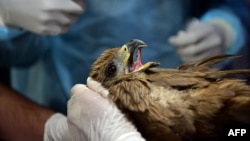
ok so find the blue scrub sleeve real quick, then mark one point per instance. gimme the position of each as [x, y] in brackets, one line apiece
[7, 33]
[20, 48]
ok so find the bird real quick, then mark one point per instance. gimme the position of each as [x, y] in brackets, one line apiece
[194, 101]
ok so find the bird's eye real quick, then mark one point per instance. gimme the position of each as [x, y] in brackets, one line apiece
[111, 70]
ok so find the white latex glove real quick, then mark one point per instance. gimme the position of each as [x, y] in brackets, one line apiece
[40, 16]
[56, 129]
[94, 118]
[201, 40]
[90, 118]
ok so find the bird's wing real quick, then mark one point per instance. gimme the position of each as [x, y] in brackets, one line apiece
[178, 79]
[193, 74]
[205, 64]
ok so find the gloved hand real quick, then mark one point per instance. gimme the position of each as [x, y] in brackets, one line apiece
[201, 40]
[40, 16]
[90, 118]
[95, 118]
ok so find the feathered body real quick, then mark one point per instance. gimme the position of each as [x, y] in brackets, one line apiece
[191, 102]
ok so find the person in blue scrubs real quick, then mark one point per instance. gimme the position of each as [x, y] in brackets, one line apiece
[46, 61]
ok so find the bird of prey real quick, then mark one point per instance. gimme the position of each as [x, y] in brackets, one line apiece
[192, 102]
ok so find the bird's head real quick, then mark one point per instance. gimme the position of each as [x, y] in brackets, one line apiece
[117, 62]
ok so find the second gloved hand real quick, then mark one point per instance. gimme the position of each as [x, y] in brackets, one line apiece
[40, 16]
[201, 40]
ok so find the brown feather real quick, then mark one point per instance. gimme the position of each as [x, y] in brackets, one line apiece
[193, 101]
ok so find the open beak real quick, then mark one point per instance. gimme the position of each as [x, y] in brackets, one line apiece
[135, 46]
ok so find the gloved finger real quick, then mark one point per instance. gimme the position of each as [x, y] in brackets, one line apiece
[201, 29]
[57, 17]
[72, 7]
[179, 39]
[56, 128]
[76, 133]
[97, 87]
[73, 17]
[192, 23]
[85, 100]
[50, 29]
[86, 105]
[87, 97]
[210, 43]
[45, 30]
[192, 35]
[184, 38]
[202, 46]
[64, 21]
[68, 6]
[81, 3]
[75, 119]
[78, 88]
[65, 28]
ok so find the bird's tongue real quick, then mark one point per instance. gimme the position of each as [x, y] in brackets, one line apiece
[137, 63]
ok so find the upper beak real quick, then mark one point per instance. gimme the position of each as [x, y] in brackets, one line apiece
[129, 49]
[135, 44]
[132, 46]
